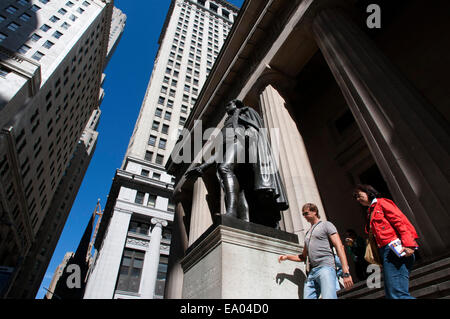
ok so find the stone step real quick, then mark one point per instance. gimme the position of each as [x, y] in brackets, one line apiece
[426, 281]
[441, 290]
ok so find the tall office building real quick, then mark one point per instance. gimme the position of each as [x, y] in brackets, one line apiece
[52, 57]
[134, 236]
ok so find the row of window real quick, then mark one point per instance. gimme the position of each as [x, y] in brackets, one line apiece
[13, 26]
[212, 7]
[78, 113]
[158, 160]
[129, 278]
[151, 201]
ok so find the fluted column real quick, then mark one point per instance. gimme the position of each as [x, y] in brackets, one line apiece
[408, 139]
[294, 164]
[101, 283]
[151, 260]
[178, 246]
[200, 213]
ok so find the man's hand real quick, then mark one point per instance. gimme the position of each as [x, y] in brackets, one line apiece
[282, 258]
[408, 251]
[194, 172]
[348, 282]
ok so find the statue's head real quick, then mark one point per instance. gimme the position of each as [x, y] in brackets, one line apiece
[232, 105]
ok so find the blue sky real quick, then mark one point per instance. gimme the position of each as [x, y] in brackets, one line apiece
[127, 76]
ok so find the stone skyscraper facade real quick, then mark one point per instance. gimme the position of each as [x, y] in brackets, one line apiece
[52, 57]
[135, 233]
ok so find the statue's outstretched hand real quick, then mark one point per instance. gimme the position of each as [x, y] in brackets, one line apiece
[194, 172]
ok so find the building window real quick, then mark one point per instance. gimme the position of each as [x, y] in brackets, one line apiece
[159, 160]
[162, 143]
[139, 198]
[23, 49]
[145, 173]
[62, 11]
[35, 37]
[167, 115]
[2, 37]
[161, 276]
[57, 34]
[130, 270]
[25, 17]
[171, 206]
[48, 44]
[139, 227]
[45, 27]
[65, 25]
[152, 140]
[73, 17]
[3, 72]
[155, 125]
[148, 155]
[37, 55]
[54, 19]
[13, 26]
[11, 9]
[151, 201]
[157, 176]
[165, 129]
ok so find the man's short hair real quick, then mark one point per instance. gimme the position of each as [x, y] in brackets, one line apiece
[312, 208]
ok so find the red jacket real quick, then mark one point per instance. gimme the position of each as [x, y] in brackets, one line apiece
[389, 223]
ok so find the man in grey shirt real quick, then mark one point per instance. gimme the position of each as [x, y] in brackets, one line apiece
[318, 240]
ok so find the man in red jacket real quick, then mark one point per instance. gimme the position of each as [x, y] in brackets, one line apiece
[388, 224]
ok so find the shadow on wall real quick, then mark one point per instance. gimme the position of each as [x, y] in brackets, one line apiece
[298, 278]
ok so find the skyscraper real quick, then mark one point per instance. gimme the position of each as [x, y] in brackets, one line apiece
[52, 55]
[134, 236]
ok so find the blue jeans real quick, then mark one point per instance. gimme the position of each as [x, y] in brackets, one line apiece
[396, 272]
[321, 280]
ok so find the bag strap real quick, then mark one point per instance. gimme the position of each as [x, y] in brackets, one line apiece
[309, 241]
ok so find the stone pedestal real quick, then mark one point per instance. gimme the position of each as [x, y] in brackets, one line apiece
[238, 260]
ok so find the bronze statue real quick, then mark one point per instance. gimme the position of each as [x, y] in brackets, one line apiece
[246, 168]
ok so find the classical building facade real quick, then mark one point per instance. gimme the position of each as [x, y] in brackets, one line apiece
[351, 103]
[52, 55]
[133, 241]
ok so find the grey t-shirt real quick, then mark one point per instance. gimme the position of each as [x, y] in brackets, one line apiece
[319, 250]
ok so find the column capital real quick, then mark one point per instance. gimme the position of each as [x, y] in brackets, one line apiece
[158, 221]
[282, 82]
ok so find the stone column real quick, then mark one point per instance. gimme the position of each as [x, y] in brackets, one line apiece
[200, 213]
[101, 283]
[294, 164]
[178, 246]
[408, 139]
[151, 260]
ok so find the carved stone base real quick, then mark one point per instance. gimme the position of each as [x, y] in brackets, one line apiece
[234, 259]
